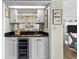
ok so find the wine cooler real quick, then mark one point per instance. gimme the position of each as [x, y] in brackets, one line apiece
[23, 48]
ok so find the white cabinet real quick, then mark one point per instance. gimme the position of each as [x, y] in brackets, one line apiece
[27, 15]
[38, 48]
[40, 16]
[13, 16]
[23, 15]
[11, 48]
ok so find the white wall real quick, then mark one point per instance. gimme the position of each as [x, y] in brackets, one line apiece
[56, 33]
[69, 11]
[6, 25]
[49, 19]
[49, 28]
[69, 7]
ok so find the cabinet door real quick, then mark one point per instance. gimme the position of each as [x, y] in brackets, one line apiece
[33, 48]
[13, 15]
[39, 48]
[10, 48]
[40, 16]
[43, 48]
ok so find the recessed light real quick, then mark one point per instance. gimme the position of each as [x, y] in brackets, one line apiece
[31, 7]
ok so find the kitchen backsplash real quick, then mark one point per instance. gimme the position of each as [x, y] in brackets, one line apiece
[28, 27]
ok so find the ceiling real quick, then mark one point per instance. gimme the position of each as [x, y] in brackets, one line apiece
[26, 2]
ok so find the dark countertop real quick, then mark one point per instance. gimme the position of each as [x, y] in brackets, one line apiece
[27, 34]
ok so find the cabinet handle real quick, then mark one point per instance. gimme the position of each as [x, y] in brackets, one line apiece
[38, 46]
[13, 47]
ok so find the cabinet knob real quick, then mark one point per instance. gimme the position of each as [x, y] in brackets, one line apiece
[13, 40]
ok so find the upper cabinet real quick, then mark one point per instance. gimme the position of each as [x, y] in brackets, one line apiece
[23, 15]
[40, 15]
[26, 15]
[13, 16]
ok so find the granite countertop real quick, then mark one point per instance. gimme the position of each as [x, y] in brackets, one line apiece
[27, 34]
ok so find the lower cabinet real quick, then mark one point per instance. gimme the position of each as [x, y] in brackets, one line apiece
[38, 48]
[11, 48]
[34, 47]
